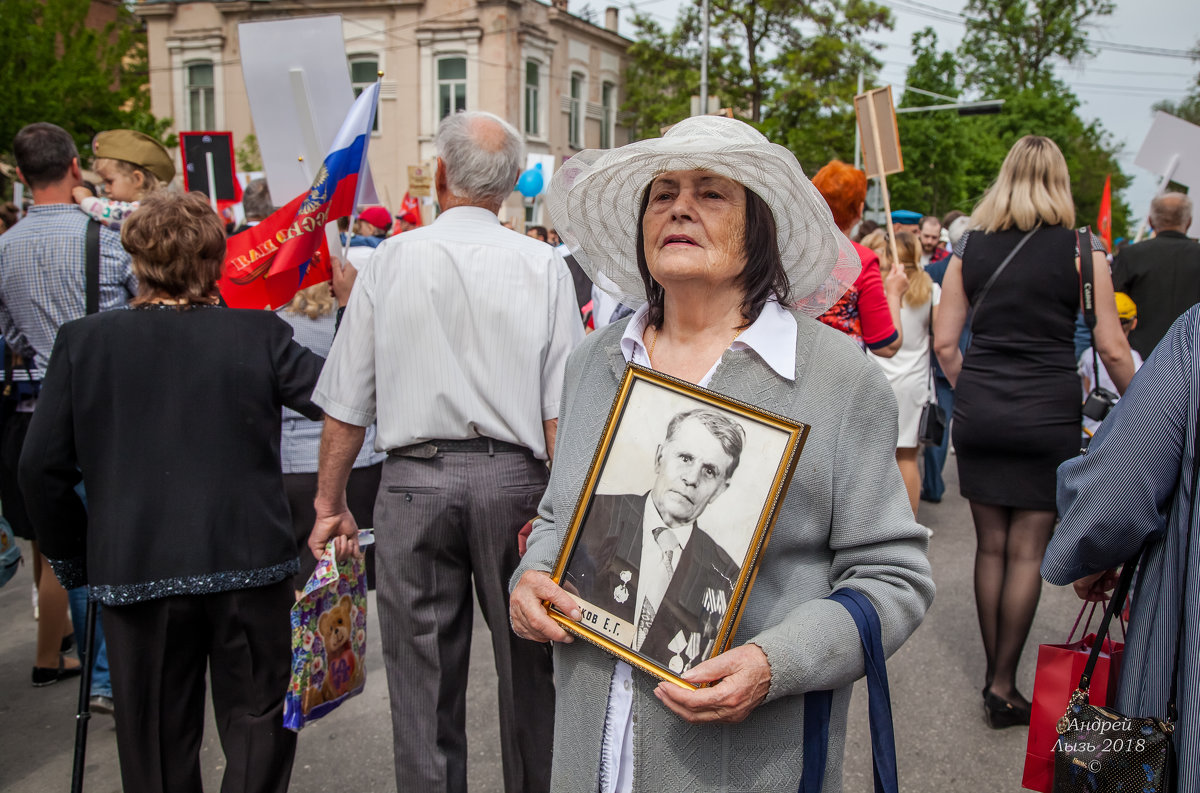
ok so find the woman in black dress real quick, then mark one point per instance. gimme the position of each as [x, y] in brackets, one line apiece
[1016, 408]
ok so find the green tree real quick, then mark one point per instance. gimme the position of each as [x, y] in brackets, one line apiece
[1187, 108]
[935, 144]
[249, 156]
[661, 76]
[54, 68]
[796, 50]
[1050, 109]
[1015, 43]
[812, 108]
[1009, 53]
[787, 66]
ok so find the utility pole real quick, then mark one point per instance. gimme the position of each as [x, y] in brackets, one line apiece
[704, 63]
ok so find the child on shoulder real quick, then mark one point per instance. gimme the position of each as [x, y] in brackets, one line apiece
[132, 165]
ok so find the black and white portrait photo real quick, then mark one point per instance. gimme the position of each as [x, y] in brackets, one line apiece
[681, 499]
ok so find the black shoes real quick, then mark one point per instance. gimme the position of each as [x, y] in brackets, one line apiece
[1000, 713]
[47, 675]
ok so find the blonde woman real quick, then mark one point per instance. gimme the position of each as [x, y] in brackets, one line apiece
[1016, 408]
[312, 315]
[908, 370]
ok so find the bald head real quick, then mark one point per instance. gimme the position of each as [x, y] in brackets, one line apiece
[1171, 212]
[479, 158]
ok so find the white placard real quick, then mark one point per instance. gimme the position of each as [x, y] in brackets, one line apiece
[298, 83]
[1173, 140]
[1167, 137]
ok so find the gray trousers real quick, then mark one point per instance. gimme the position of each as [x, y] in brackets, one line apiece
[439, 523]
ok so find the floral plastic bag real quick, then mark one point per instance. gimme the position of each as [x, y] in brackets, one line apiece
[329, 638]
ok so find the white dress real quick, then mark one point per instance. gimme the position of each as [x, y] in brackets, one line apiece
[908, 370]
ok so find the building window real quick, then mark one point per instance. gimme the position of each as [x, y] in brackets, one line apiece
[533, 88]
[575, 116]
[608, 95]
[201, 96]
[364, 70]
[452, 85]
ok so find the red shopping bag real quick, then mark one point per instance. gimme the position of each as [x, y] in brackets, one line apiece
[1059, 667]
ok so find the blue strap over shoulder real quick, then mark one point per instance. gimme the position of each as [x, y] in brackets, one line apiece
[818, 705]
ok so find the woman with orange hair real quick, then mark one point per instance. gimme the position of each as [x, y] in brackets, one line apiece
[870, 310]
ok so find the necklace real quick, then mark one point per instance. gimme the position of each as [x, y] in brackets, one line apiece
[165, 305]
[654, 341]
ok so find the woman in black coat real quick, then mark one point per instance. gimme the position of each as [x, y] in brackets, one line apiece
[169, 412]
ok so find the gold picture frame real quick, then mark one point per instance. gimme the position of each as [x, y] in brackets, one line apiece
[673, 518]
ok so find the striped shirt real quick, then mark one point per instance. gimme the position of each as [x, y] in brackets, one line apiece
[455, 330]
[42, 277]
[1134, 487]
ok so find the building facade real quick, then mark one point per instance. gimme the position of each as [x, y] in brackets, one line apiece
[555, 76]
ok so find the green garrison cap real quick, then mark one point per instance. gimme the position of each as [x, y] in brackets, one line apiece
[137, 148]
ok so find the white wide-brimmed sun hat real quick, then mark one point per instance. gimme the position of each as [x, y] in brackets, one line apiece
[595, 196]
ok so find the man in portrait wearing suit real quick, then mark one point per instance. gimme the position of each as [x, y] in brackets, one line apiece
[644, 558]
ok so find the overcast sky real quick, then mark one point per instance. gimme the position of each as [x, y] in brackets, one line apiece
[1114, 86]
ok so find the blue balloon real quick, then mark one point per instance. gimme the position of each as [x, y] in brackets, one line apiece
[531, 182]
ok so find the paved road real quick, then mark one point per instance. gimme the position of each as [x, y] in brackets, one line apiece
[942, 741]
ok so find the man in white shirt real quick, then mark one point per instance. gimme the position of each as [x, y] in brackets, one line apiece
[455, 340]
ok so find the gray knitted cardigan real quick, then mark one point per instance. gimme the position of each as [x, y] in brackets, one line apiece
[846, 521]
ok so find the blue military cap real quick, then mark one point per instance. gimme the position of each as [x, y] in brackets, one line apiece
[906, 217]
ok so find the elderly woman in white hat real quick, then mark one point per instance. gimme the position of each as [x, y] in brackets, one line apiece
[730, 252]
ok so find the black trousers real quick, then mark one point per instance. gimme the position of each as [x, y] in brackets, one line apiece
[158, 653]
[360, 497]
[12, 504]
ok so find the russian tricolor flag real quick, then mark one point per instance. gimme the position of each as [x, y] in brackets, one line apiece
[258, 260]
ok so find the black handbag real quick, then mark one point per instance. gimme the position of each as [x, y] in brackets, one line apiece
[1099, 749]
[933, 425]
[932, 428]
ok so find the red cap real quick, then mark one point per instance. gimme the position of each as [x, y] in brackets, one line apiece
[410, 217]
[378, 217]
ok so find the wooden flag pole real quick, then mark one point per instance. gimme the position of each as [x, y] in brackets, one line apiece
[887, 201]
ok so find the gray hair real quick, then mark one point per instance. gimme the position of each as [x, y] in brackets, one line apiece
[1171, 211]
[256, 200]
[482, 153]
[728, 432]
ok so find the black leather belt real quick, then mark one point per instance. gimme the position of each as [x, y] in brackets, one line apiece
[431, 448]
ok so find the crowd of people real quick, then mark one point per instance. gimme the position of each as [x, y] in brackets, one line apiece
[183, 463]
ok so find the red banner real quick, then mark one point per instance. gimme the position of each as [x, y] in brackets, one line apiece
[1104, 219]
[249, 256]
